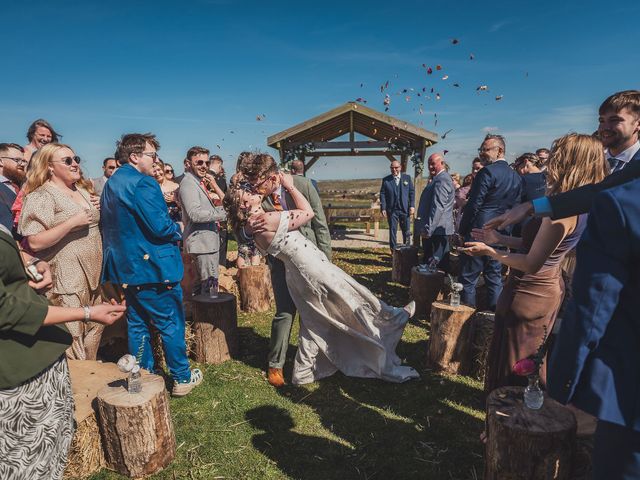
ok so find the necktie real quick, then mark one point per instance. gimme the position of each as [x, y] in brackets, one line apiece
[616, 164]
[276, 202]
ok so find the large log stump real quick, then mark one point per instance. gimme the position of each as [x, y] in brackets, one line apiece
[404, 259]
[136, 429]
[528, 444]
[215, 328]
[256, 292]
[480, 334]
[426, 288]
[449, 335]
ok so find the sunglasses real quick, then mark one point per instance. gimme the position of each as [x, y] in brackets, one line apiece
[168, 171]
[68, 161]
[199, 163]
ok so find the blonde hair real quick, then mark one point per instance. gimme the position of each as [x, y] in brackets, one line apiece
[38, 172]
[575, 160]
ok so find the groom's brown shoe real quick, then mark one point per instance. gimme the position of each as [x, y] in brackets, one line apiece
[275, 377]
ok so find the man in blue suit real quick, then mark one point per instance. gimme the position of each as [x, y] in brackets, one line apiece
[397, 197]
[434, 219]
[595, 362]
[495, 189]
[141, 254]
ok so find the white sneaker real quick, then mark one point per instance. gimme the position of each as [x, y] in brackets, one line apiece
[410, 308]
[184, 388]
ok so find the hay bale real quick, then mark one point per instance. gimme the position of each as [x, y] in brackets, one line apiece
[87, 377]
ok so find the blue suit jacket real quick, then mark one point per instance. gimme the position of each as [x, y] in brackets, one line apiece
[139, 239]
[495, 190]
[388, 193]
[435, 208]
[595, 362]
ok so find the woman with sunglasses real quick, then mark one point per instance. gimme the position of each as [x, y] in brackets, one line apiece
[60, 224]
[169, 190]
[169, 173]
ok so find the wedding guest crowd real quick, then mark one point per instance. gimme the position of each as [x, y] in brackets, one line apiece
[122, 228]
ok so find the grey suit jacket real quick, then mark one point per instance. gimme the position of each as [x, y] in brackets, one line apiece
[316, 230]
[98, 184]
[435, 209]
[199, 215]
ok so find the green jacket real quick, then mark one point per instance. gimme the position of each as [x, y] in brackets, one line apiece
[26, 347]
[316, 230]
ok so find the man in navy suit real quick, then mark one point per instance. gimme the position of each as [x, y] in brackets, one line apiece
[141, 254]
[397, 197]
[12, 176]
[595, 362]
[495, 189]
[434, 219]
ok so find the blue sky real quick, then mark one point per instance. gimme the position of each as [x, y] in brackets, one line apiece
[195, 71]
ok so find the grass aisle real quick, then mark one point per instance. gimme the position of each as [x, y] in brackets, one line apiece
[235, 426]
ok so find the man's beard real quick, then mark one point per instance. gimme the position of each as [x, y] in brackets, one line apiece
[15, 175]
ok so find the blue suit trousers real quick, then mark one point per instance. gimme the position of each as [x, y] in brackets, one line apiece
[161, 307]
[616, 452]
[470, 270]
[395, 217]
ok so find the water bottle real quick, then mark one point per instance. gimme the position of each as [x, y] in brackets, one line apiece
[134, 382]
[533, 396]
[433, 264]
[213, 287]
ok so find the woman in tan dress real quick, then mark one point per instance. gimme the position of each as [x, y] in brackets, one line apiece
[533, 292]
[60, 224]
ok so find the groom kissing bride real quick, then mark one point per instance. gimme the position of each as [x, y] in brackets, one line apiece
[343, 326]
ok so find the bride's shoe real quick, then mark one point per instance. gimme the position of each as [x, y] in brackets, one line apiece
[410, 308]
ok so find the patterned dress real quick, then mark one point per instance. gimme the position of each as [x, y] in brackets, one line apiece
[75, 261]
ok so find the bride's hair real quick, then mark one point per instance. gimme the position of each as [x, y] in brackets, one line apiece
[237, 214]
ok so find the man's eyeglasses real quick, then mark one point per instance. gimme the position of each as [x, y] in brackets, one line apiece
[68, 161]
[19, 161]
[199, 163]
[256, 187]
[485, 150]
[152, 155]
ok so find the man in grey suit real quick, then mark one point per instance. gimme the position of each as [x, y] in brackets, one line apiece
[434, 219]
[201, 218]
[262, 173]
[109, 167]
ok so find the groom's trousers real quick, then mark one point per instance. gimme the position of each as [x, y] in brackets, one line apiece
[283, 319]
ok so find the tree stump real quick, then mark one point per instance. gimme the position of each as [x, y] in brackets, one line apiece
[426, 288]
[256, 292]
[480, 334]
[527, 444]
[136, 429]
[404, 259]
[215, 328]
[449, 336]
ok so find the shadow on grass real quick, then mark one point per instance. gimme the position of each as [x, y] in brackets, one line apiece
[381, 430]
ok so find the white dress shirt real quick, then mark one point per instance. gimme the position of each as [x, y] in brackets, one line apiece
[623, 158]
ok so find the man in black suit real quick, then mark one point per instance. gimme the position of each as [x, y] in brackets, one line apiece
[495, 189]
[397, 197]
[12, 176]
[619, 127]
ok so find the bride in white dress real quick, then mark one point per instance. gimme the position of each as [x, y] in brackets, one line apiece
[343, 326]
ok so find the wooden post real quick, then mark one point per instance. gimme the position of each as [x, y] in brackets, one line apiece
[480, 334]
[136, 428]
[449, 335]
[525, 443]
[255, 288]
[215, 328]
[404, 259]
[425, 289]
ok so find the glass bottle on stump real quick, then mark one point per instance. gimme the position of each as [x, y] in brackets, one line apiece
[533, 395]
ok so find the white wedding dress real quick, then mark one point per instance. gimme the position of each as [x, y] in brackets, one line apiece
[343, 326]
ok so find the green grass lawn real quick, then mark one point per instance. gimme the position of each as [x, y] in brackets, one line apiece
[236, 426]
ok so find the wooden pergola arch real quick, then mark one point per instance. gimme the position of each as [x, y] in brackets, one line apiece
[389, 137]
